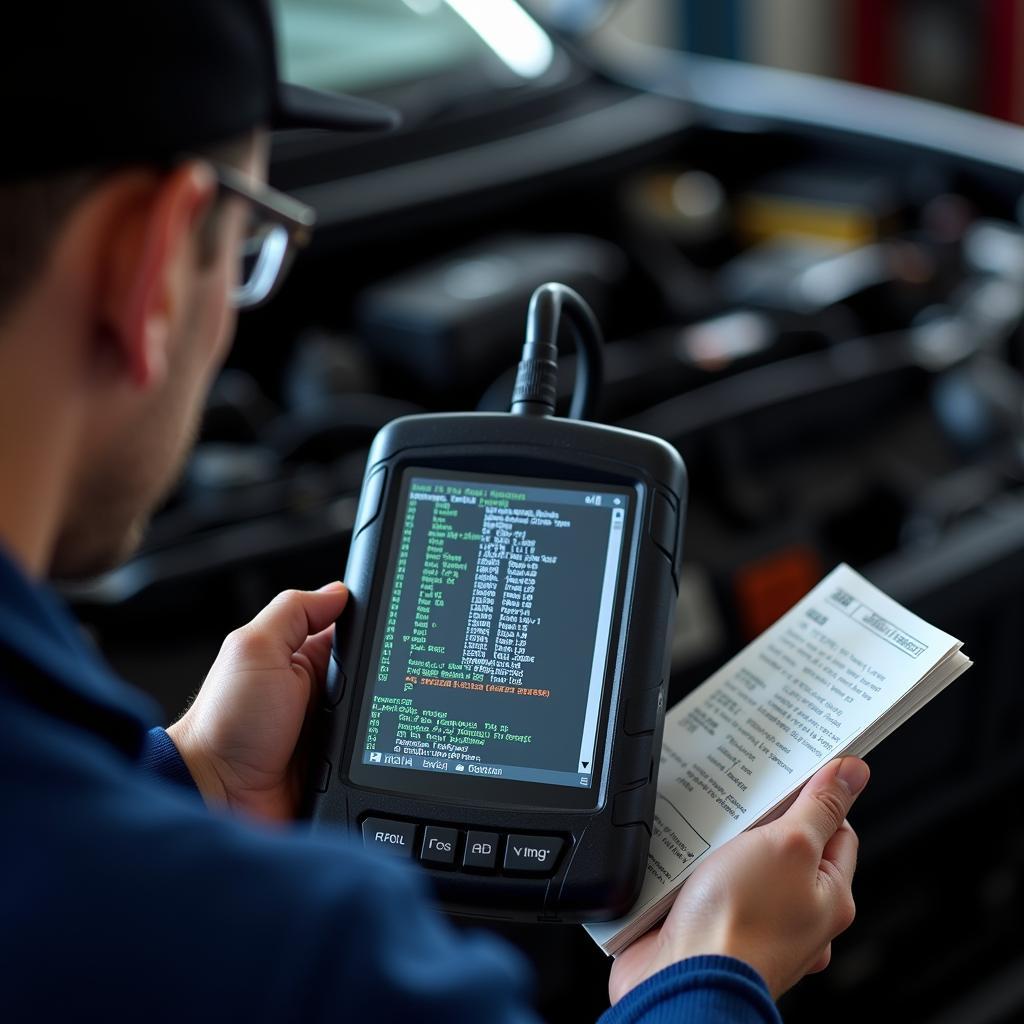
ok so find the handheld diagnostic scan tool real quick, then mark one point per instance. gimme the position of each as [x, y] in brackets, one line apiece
[496, 692]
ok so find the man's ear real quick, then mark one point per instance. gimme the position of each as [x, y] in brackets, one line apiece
[152, 253]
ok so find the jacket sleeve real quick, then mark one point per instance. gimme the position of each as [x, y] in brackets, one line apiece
[159, 758]
[700, 990]
[173, 912]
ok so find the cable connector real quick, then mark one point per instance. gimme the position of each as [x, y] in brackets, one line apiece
[537, 377]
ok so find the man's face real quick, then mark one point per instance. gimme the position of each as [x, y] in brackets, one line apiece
[123, 484]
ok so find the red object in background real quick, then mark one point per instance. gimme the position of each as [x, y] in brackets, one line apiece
[1004, 92]
[873, 43]
[768, 588]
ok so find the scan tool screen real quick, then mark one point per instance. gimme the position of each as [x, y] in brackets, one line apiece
[494, 633]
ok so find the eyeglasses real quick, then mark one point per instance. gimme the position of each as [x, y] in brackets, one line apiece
[278, 227]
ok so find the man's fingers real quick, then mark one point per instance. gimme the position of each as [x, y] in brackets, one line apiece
[823, 804]
[295, 615]
[841, 852]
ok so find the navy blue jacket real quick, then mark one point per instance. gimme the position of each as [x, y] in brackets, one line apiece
[123, 897]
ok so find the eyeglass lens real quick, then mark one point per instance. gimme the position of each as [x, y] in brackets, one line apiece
[263, 253]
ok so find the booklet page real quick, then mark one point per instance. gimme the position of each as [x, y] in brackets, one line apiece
[813, 686]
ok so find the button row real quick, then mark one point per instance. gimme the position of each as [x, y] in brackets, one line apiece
[440, 847]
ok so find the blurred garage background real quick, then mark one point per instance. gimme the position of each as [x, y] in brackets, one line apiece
[812, 286]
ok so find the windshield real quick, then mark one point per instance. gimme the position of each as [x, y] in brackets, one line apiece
[362, 45]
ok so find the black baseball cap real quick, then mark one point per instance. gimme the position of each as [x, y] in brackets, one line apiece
[102, 82]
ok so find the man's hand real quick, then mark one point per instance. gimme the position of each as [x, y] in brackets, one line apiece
[774, 897]
[241, 736]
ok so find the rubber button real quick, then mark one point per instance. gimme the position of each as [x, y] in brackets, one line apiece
[630, 807]
[664, 523]
[323, 779]
[397, 837]
[336, 682]
[532, 855]
[439, 845]
[481, 852]
[369, 503]
[643, 709]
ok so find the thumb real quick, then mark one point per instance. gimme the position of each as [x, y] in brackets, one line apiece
[295, 615]
[823, 804]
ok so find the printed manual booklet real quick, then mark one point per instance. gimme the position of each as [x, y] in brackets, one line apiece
[835, 675]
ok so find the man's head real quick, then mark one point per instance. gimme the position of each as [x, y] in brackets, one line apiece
[120, 243]
[135, 269]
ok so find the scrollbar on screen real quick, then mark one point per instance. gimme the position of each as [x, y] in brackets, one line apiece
[498, 610]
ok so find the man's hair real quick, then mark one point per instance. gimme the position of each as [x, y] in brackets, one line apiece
[32, 214]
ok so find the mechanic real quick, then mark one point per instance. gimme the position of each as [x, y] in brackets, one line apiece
[146, 874]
